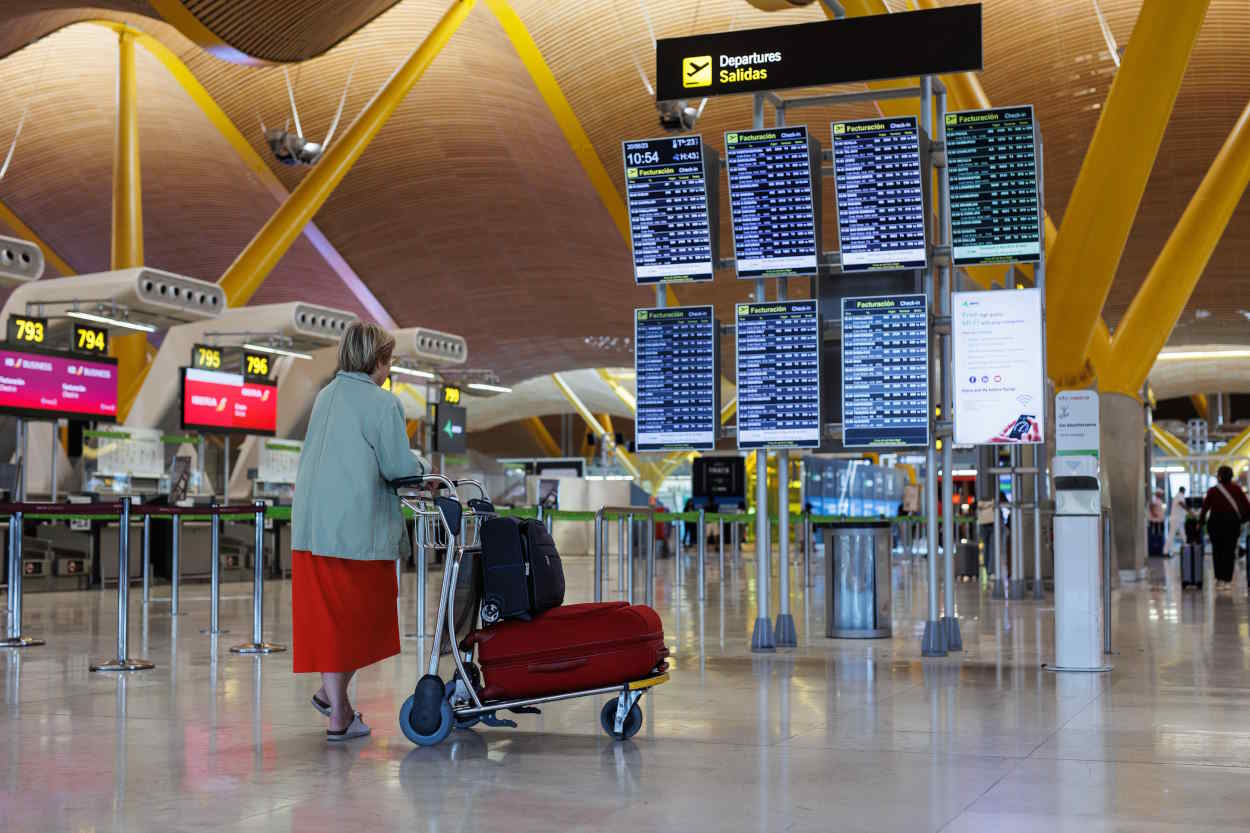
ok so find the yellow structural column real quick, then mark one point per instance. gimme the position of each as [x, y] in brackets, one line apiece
[542, 436]
[1104, 201]
[1199, 401]
[258, 259]
[127, 231]
[1162, 297]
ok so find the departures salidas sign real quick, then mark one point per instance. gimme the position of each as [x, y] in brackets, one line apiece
[917, 43]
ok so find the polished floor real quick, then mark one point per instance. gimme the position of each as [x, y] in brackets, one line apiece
[852, 736]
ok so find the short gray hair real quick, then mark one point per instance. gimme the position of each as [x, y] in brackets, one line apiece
[365, 345]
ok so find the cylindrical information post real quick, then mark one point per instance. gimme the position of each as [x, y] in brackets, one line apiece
[14, 638]
[147, 558]
[175, 563]
[258, 645]
[214, 549]
[123, 662]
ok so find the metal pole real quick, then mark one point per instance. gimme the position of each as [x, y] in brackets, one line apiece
[52, 462]
[1106, 582]
[733, 531]
[147, 558]
[1038, 454]
[258, 645]
[225, 472]
[620, 553]
[14, 638]
[1040, 461]
[214, 528]
[175, 566]
[808, 545]
[702, 546]
[1017, 531]
[720, 543]
[123, 662]
[629, 571]
[1001, 570]
[950, 622]
[423, 570]
[649, 594]
[762, 637]
[598, 589]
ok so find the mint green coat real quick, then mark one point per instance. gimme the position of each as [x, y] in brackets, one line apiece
[356, 443]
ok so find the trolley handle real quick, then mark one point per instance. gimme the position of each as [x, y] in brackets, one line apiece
[430, 482]
[476, 484]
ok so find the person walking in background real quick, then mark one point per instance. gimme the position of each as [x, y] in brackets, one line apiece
[1176, 519]
[1156, 515]
[1224, 510]
[346, 527]
[985, 526]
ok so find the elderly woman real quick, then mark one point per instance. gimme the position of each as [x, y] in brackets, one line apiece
[347, 528]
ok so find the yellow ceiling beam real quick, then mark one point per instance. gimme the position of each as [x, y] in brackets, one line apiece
[542, 436]
[1169, 442]
[25, 232]
[1235, 447]
[1201, 405]
[1103, 205]
[1162, 298]
[626, 459]
[244, 277]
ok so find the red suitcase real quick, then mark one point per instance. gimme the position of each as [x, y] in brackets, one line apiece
[569, 648]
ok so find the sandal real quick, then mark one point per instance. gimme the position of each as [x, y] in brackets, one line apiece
[321, 706]
[357, 729]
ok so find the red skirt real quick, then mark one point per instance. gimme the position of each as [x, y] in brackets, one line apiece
[344, 612]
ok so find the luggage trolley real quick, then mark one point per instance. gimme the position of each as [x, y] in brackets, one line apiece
[436, 707]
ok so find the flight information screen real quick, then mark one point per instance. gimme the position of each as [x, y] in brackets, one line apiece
[771, 201]
[991, 158]
[885, 371]
[669, 209]
[880, 195]
[676, 379]
[778, 374]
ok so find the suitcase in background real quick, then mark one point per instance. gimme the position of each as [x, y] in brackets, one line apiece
[1154, 539]
[1192, 566]
[569, 648]
[968, 560]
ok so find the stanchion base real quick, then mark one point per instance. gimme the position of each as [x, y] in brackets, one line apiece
[999, 590]
[762, 636]
[1018, 589]
[128, 664]
[211, 632]
[934, 642]
[21, 642]
[954, 639]
[1060, 669]
[785, 635]
[258, 648]
[1039, 592]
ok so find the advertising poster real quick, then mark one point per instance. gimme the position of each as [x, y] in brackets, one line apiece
[1076, 423]
[998, 385]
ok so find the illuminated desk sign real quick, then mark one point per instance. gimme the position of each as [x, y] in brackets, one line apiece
[676, 378]
[671, 185]
[880, 194]
[929, 42]
[227, 403]
[88, 339]
[451, 395]
[205, 357]
[27, 329]
[46, 384]
[778, 347]
[885, 371]
[992, 169]
[256, 366]
[774, 187]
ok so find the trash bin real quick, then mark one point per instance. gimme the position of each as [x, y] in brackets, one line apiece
[857, 580]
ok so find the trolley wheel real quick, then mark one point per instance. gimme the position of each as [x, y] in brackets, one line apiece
[406, 723]
[633, 720]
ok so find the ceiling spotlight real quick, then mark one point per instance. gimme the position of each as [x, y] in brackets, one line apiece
[408, 371]
[482, 386]
[276, 351]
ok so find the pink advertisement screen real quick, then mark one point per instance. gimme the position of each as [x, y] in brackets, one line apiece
[57, 384]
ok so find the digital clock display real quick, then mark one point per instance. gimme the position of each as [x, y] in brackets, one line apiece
[27, 329]
[206, 357]
[90, 339]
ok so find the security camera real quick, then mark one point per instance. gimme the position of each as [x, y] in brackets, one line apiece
[677, 116]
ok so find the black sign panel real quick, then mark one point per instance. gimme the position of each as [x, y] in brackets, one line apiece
[206, 357]
[450, 423]
[992, 169]
[27, 330]
[670, 209]
[256, 366]
[771, 198]
[885, 371]
[778, 375]
[719, 480]
[88, 339]
[675, 377]
[926, 42]
[880, 194]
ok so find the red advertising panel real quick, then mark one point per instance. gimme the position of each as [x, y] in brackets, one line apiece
[217, 402]
[41, 383]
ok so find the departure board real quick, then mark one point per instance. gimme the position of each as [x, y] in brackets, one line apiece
[669, 210]
[778, 346]
[885, 371]
[771, 201]
[991, 158]
[880, 194]
[676, 380]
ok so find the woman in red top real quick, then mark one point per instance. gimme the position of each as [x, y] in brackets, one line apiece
[1227, 507]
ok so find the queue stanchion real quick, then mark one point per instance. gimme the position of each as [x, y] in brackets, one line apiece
[808, 544]
[620, 553]
[598, 566]
[175, 562]
[627, 571]
[701, 553]
[720, 543]
[649, 594]
[14, 638]
[258, 645]
[147, 559]
[123, 661]
[214, 546]
[733, 528]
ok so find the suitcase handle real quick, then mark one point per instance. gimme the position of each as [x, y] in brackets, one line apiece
[558, 667]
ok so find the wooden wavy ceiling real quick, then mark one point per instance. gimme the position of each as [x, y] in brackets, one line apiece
[469, 213]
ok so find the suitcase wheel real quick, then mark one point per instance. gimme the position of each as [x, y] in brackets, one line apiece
[445, 724]
[633, 721]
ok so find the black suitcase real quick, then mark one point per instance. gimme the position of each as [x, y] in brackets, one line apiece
[521, 570]
[1192, 566]
[1154, 539]
[968, 560]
